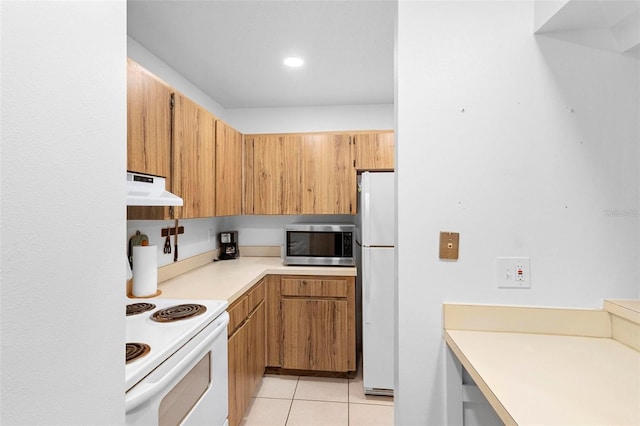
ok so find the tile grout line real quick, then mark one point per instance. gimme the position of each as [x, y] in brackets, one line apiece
[291, 402]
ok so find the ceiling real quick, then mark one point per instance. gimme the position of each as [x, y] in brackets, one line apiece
[234, 50]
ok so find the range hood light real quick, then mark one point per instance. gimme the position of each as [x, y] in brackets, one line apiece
[149, 190]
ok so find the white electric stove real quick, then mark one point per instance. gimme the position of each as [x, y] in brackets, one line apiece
[178, 374]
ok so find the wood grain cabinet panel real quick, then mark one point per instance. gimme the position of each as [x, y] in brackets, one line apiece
[374, 151]
[238, 313]
[257, 344]
[328, 177]
[274, 320]
[276, 174]
[239, 392]
[148, 132]
[193, 158]
[311, 324]
[300, 174]
[246, 350]
[313, 287]
[148, 122]
[247, 176]
[314, 334]
[228, 170]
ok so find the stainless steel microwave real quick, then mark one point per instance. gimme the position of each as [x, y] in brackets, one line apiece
[319, 244]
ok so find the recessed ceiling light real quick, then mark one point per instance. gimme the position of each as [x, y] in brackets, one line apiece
[293, 61]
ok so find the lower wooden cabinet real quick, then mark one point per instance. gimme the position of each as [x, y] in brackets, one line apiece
[286, 322]
[314, 334]
[313, 325]
[246, 350]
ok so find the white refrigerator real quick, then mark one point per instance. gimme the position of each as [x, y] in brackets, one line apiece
[376, 220]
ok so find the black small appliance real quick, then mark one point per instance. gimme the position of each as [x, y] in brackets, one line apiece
[228, 245]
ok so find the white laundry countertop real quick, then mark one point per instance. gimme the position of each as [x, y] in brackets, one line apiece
[548, 376]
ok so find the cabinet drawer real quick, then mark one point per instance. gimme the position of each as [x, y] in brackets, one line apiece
[314, 287]
[237, 314]
[255, 296]
[247, 303]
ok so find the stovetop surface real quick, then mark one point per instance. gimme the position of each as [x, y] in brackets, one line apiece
[164, 338]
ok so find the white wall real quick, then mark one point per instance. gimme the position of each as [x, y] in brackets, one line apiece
[63, 126]
[195, 240]
[312, 119]
[542, 162]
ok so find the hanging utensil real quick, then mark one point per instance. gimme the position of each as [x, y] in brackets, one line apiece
[175, 242]
[167, 244]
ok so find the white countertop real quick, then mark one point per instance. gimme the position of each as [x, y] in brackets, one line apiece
[541, 379]
[229, 279]
[551, 366]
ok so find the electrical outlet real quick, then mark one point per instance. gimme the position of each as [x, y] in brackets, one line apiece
[519, 272]
[513, 272]
[212, 235]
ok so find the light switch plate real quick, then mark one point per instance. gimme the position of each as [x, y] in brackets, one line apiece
[449, 245]
[513, 272]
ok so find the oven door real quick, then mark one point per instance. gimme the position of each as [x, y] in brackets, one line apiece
[189, 388]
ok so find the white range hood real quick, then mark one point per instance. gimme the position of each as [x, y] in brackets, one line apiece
[149, 190]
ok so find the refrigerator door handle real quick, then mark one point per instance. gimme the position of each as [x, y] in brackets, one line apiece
[366, 216]
[366, 283]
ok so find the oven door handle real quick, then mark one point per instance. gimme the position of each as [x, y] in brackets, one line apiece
[144, 391]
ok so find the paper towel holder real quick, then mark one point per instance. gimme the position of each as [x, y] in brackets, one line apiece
[139, 239]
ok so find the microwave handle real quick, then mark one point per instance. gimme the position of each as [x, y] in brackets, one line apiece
[144, 391]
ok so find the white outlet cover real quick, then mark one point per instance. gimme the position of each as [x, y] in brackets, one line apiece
[506, 270]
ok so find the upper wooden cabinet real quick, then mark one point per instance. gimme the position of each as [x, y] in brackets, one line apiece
[328, 178]
[299, 174]
[171, 136]
[374, 151]
[218, 172]
[228, 170]
[148, 123]
[193, 158]
[148, 132]
[276, 174]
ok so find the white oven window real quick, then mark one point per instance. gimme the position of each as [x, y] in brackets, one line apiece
[179, 402]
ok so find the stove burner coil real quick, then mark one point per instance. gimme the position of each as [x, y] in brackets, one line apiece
[178, 312]
[136, 350]
[138, 308]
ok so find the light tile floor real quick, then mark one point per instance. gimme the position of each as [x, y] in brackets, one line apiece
[310, 401]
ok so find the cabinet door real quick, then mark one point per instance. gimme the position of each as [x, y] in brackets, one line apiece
[328, 177]
[228, 170]
[273, 320]
[257, 347]
[148, 123]
[374, 151]
[148, 132]
[239, 374]
[193, 158]
[276, 174]
[315, 334]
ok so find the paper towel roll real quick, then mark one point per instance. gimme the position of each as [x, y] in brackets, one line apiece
[145, 271]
